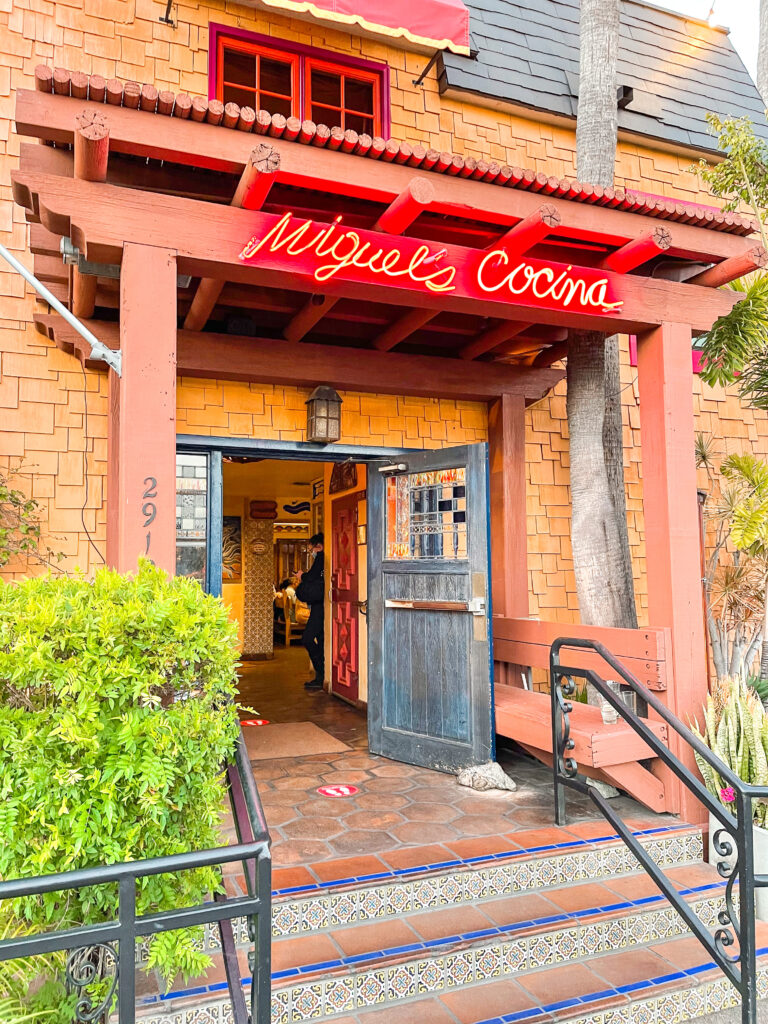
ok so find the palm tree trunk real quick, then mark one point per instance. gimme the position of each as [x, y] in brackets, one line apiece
[605, 599]
[762, 52]
[597, 121]
[613, 451]
[600, 540]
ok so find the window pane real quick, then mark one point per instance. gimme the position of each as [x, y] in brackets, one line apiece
[326, 115]
[359, 123]
[427, 515]
[276, 104]
[275, 76]
[325, 87]
[191, 515]
[239, 68]
[242, 97]
[358, 95]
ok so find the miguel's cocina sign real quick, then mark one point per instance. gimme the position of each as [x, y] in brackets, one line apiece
[328, 251]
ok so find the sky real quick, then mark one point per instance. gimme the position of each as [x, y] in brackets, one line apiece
[740, 16]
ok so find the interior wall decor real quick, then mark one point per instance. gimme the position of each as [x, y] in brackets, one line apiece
[258, 578]
[232, 550]
[343, 477]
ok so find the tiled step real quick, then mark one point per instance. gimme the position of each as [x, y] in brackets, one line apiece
[666, 983]
[440, 951]
[329, 896]
[524, 913]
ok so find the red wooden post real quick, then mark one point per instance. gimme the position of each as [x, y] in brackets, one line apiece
[142, 427]
[671, 535]
[509, 527]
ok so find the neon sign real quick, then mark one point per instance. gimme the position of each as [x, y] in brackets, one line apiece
[326, 252]
[347, 249]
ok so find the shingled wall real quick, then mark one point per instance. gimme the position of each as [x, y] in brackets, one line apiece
[42, 397]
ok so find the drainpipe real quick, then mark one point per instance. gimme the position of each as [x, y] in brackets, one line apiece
[98, 349]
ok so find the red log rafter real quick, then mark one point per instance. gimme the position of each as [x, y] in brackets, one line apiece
[399, 215]
[255, 182]
[91, 147]
[529, 231]
[729, 270]
[639, 251]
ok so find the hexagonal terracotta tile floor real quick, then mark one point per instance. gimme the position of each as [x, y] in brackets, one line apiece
[397, 807]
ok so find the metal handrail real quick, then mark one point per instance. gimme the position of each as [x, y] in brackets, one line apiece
[736, 831]
[85, 942]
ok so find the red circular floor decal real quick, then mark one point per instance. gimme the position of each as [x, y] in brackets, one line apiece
[254, 721]
[338, 790]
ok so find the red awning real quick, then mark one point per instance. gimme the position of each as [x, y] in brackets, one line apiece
[438, 24]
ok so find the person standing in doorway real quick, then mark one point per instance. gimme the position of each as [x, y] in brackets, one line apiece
[311, 590]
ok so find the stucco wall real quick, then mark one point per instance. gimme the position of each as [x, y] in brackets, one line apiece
[41, 389]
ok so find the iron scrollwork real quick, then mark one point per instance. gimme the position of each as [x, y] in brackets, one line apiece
[727, 867]
[88, 966]
[566, 688]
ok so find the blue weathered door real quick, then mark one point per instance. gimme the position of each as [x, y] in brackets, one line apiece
[430, 698]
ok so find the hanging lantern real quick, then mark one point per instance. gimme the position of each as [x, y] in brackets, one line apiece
[324, 415]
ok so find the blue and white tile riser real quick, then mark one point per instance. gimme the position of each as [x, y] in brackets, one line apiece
[474, 880]
[676, 1007]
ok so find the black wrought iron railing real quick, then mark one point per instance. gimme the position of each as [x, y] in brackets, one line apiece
[109, 949]
[735, 836]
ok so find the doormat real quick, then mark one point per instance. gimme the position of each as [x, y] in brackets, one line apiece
[290, 739]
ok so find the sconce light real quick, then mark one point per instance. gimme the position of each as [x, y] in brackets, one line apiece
[324, 415]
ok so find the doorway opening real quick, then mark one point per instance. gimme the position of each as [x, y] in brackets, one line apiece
[300, 631]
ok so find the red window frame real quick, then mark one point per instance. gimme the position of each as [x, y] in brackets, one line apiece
[258, 51]
[302, 58]
[345, 73]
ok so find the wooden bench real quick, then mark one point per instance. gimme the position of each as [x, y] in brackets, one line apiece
[607, 752]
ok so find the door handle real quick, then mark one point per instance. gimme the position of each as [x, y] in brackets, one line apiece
[362, 607]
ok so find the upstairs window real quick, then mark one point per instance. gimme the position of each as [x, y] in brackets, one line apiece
[258, 77]
[299, 81]
[340, 97]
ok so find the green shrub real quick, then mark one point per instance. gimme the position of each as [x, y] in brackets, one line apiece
[116, 715]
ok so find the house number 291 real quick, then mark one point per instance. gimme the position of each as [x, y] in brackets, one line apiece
[149, 508]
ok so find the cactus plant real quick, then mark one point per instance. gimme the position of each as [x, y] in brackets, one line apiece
[736, 730]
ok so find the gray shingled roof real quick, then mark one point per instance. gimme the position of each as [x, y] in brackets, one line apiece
[679, 68]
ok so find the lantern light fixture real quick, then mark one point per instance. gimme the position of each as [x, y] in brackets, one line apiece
[324, 415]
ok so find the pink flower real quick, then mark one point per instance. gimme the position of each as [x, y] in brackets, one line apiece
[727, 795]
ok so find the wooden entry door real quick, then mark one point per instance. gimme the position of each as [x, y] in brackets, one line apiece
[430, 699]
[345, 648]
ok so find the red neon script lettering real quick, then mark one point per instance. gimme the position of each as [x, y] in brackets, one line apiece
[543, 284]
[345, 248]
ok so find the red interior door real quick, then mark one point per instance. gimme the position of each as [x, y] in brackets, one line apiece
[344, 598]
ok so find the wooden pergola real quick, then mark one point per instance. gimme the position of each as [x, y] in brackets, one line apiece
[159, 197]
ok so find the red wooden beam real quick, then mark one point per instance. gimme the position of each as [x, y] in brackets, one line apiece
[551, 355]
[639, 251]
[226, 357]
[733, 268]
[255, 182]
[403, 211]
[492, 338]
[180, 141]
[313, 310]
[91, 157]
[403, 328]
[532, 229]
